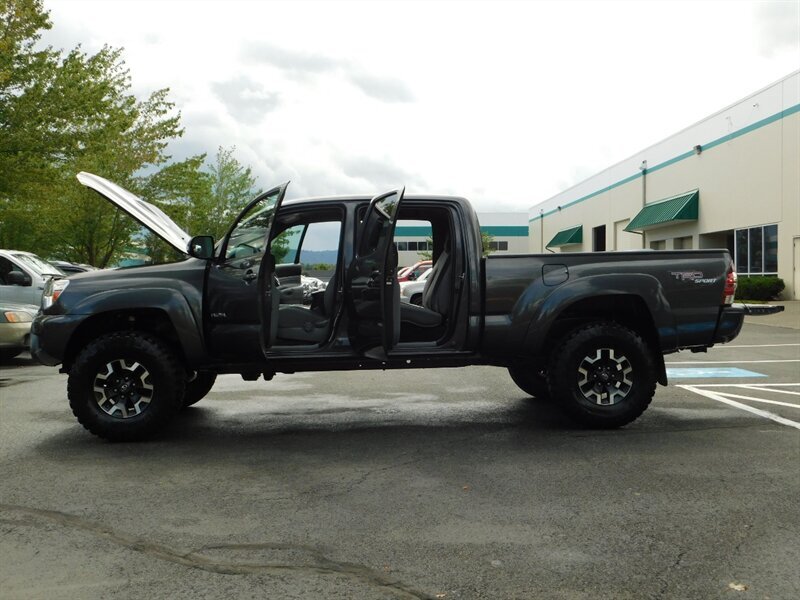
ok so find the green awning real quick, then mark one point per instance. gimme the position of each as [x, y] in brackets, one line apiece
[565, 237]
[678, 209]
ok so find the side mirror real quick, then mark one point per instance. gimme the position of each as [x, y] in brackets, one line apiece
[18, 278]
[202, 246]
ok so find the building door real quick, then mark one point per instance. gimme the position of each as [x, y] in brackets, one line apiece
[599, 239]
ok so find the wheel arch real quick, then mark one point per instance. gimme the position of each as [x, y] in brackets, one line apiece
[627, 309]
[153, 320]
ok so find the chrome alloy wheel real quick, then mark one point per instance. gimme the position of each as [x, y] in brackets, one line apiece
[123, 391]
[605, 377]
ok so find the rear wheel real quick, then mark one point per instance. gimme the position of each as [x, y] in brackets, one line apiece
[125, 386]
[198, 388]
[603, 375]
[530, 380]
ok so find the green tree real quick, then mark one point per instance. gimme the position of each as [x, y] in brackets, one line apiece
[232, 187]
[61, 113]
[486, 243]
[202, 199]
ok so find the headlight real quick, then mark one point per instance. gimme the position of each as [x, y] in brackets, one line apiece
[52, 290]
[18, 316]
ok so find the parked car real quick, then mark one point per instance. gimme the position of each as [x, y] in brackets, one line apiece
[588, 329]
[15, 328]
[414, 271]
[411, 291]
[69, 267]
[23, 276]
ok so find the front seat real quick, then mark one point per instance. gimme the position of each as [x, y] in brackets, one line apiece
[302, 324]
[436, 296]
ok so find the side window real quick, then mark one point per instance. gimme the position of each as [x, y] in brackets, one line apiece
[285, 245]
[414, 241]
[320, 248]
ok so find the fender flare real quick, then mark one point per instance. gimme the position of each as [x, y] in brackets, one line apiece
[645, 287]
[171, 302]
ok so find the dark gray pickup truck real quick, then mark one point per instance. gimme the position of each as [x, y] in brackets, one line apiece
[588, 330]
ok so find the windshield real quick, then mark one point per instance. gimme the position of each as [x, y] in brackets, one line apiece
[38, 265]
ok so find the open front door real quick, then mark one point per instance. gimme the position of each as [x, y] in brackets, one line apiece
[247, 247]
[371, 286]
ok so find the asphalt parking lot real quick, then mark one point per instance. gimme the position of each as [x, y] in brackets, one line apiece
[414, 484]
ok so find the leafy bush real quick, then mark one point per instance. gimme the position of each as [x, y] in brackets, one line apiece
[759, 287]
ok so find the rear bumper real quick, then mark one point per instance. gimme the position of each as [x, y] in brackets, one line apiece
[732, 317]
[758, 310]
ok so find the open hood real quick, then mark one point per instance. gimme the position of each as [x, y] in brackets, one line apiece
[145, 213]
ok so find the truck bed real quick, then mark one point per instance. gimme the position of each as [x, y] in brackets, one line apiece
[681, 291]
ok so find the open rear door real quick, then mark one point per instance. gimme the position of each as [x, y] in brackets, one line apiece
[371, 286]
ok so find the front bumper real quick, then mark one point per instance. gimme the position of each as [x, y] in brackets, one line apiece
[49, 337]
[14, 335]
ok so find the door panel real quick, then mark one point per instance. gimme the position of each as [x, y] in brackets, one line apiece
[234, 321]
[371, 285]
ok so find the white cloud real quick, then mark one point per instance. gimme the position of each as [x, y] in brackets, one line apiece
[502, 102]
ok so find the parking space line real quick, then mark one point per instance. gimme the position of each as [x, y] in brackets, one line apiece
[757, 346]
[756, 411]
[731, 362]
[764, 400]
[762, 388]
[754, 385]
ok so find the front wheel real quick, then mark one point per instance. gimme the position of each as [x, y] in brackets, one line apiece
[603, 375]
[125, 386]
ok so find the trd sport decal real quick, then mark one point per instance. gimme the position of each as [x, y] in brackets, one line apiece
[692, 276]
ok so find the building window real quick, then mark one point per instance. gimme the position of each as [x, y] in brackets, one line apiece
[659, 245]
[756, 250]
[498, 246]
[599, 238]
[683, 243]
[402, 246]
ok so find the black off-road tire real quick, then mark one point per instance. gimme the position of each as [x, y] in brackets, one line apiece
[530, 380]
[114, 356]
[198, 388]
[603, 375]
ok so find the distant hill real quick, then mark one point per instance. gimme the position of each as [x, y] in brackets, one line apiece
[313, 257]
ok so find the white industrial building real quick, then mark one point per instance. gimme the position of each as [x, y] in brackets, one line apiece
[509, 231]
[730, 181]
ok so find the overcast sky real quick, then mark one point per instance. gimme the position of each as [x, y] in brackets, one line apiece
[504, 103]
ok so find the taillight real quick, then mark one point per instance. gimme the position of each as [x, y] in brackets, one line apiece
[730, 285]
